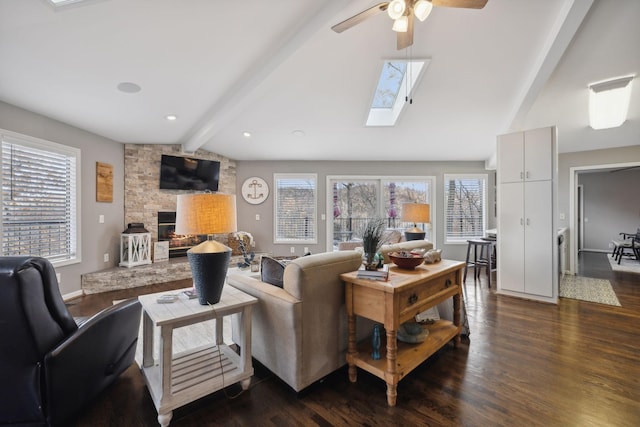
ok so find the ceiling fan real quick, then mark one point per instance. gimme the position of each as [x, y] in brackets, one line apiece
[402, 12]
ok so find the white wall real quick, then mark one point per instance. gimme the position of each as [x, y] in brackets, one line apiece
[97, 239]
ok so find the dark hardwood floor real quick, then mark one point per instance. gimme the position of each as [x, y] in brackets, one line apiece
[524, 364]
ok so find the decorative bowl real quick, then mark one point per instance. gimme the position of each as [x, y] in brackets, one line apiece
[406, 260]
[412, 332]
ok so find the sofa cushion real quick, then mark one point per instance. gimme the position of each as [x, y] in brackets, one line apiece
[271, 271]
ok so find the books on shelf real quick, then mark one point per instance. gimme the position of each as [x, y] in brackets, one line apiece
[380, 274]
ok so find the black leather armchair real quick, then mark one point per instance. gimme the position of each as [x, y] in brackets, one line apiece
[50, 367]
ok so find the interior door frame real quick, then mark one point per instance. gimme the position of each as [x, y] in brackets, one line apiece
[573, 206]
[580, 217]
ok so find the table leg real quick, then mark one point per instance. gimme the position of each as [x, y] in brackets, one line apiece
[147, 340]
[166, 349]
[165, 419]
[456, 318]
[245, 335]
[392, 353]
[351, 348]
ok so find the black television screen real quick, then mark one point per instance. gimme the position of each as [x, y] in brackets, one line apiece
[184, 173]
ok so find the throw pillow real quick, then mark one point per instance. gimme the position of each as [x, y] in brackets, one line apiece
[271, 271]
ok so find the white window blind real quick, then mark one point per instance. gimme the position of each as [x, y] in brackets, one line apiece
[39, 199]
[295, 208]
[465, 207]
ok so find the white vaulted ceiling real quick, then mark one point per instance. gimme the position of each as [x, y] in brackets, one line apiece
[272, 68]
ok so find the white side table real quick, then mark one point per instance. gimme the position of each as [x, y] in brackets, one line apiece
[177, 379]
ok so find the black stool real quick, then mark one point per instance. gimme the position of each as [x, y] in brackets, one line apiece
[483, 257]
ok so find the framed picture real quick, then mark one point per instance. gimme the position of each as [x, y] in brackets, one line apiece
[104, 182]
[161, 251]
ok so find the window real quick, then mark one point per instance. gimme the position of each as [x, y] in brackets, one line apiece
[39, 199]
[396, 83]
[465, 207]
[354, 200]
[295, 206]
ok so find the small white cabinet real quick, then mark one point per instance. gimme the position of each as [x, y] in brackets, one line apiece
[527, 156]
[527, 170]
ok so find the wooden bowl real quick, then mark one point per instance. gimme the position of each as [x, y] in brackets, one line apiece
[406, 260]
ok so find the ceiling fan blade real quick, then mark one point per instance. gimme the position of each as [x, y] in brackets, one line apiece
[356, 19]
[467, 4]
[406, 39]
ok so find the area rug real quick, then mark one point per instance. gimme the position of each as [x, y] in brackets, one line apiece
[626, 265]
[588, 289]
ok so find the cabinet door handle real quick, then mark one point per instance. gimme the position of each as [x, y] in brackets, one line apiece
[528, 222]
[521, 221]
[413, 298]
[527, 174]
[521, 175]
[447, 283]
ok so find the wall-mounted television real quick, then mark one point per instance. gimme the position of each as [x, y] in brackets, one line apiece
[185, 173]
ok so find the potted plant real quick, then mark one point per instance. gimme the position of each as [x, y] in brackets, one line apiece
[371, 242]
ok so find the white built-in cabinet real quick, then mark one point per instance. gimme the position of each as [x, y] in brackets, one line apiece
[527, 238]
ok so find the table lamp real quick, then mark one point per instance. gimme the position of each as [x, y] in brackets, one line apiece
[207, 213]
[415, 213]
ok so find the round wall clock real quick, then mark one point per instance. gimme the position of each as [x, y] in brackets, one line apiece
[255, 190]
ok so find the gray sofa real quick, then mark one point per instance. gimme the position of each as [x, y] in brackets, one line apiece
[299, 331]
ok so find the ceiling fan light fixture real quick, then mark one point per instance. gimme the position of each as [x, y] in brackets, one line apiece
[396, 9]
[422, 9]
[401, 25]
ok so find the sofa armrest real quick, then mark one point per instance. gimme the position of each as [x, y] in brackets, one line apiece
[260, 289]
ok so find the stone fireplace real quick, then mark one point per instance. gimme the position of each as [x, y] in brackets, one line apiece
[143, 198]
[143, 201]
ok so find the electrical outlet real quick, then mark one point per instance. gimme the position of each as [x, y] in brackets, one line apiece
[293, 249]
[58, 277]
[306, 249]
[257, 217]
[101, 219]
[106, 257]
[562, 215]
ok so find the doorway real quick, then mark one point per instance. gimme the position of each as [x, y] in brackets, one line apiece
[576, 208]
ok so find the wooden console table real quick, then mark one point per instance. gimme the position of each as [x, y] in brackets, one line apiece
[177, 379]
[399, 300]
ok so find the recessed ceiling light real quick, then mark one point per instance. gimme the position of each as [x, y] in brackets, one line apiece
[128, 87]
[171, 117]
[246, 134]
[298, 132]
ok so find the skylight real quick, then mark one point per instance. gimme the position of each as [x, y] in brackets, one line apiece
[395, 85]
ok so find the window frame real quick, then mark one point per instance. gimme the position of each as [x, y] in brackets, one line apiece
[314, 227]
[75, 216]
[485, 199]
[381, 180]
